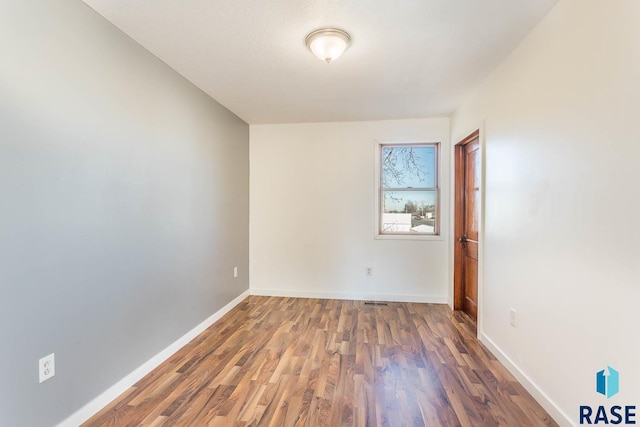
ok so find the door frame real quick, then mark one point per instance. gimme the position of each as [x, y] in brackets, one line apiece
[458, 223]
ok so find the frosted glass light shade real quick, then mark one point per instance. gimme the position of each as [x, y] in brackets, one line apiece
[328, 43]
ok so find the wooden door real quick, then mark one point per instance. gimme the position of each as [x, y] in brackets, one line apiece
[467, 206]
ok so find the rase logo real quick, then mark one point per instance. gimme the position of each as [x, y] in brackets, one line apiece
[608, 384]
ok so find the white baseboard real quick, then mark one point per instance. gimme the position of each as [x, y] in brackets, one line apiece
[350, 296]
[540, 396]
[91, 408]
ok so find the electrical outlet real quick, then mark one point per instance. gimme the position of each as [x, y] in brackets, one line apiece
[47, 367]
[235, 271]
[512, 318]
[369, 271]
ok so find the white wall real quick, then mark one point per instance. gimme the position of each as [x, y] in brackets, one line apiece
[312, 214]
[124, 207]
[562, 202]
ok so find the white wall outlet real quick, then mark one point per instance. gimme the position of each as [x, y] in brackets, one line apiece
[235, 271]
[369, 271]
[47, 367]
[513, 318]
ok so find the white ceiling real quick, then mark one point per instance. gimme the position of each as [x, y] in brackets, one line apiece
[408, 58]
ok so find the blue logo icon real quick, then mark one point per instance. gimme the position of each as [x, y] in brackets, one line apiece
[608, 382]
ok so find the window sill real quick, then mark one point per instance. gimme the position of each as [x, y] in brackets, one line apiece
[408, 237]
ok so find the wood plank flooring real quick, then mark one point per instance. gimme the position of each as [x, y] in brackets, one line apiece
[313, 362]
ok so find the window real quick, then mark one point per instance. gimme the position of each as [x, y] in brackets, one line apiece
[408, 189]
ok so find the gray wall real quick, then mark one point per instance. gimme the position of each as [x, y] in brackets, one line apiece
[124, 198]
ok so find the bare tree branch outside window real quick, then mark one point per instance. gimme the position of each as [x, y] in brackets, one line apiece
[398, 163]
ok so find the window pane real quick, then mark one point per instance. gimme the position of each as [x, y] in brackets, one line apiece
[409, 211]
[408, 166]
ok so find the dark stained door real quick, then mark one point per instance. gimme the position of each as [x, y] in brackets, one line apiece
[467, 221]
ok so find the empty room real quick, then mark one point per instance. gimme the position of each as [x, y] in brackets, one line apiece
[319, 213]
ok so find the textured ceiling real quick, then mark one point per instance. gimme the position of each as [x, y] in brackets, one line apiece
[408, 58]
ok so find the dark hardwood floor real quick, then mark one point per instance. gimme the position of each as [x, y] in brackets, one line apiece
[313, 362]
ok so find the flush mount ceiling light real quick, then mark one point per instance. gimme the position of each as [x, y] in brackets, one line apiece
[328, 43]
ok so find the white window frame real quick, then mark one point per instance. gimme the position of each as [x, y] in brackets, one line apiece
[378, 189]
